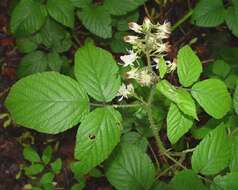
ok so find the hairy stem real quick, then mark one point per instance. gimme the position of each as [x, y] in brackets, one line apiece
[153, 125]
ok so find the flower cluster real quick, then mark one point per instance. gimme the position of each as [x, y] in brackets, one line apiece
[151, 41]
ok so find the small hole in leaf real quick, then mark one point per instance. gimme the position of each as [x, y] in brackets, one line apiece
[92, 136]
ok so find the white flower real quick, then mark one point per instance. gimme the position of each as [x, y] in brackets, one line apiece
[171, 66]
[164, 28]
[146, 79]
[125, 91]
[133, 73]
[135, 27]
[129, 59]
[147, 24]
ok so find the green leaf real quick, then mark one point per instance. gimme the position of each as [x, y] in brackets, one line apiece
[117, 43]
[189, 66]
[221, 68]
[32, 63]
[232, 19]
[31, 155]
[234, 155]
[131, 168]
[136, 139]
[97, 136]
[47, 178]
[209, 14]
[235, 98]
[162, 67]
[227, 182]
[97, 72]
[47, 102]
[179, 96]
[186, 179]
[54, 61]
[213, 154]
[47, 154]
[54, 36]
[213, 97]
[122, 7]
[34, 169]
[97, 20]
[62, 11]
[78, 186]
[56, 165]
[28, 17]
[26, 44]
[122, 21]
[81, 3]
[177, 123]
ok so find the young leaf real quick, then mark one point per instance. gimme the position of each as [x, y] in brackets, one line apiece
[122, 7]
[97, 20]
[62, 11]
[28, 17]
[34, 169]
[179, 96]
[47, 154]
[177, 123]
[162, 67]
[189, 66]
[31, 155]
[234, 155]
[221, 68]
[54, 61]
[32, 63]
[235, 98]
[232, 19]
[227, 182]
[136, 139]
[186, 179]
[213, 97]
[97, 71]
[97, 136]
[26, 44]
[213, 153]
[131, 168]
[47, 178]
[209, 13]
[56, 166]
[47, 102]
[54, 36]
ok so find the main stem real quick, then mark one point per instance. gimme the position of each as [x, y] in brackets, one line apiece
[182, 20]
[153, 125]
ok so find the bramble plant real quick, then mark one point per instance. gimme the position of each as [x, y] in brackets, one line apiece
[117, 107]
[42, 166]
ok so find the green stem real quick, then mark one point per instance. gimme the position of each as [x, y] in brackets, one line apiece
[117, 105]
[153, 126]
[182, 20]
[148, 60]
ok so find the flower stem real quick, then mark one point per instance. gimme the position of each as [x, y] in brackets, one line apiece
[182, 20]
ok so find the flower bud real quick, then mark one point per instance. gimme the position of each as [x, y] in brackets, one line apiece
[135, 27]
[131, 39]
